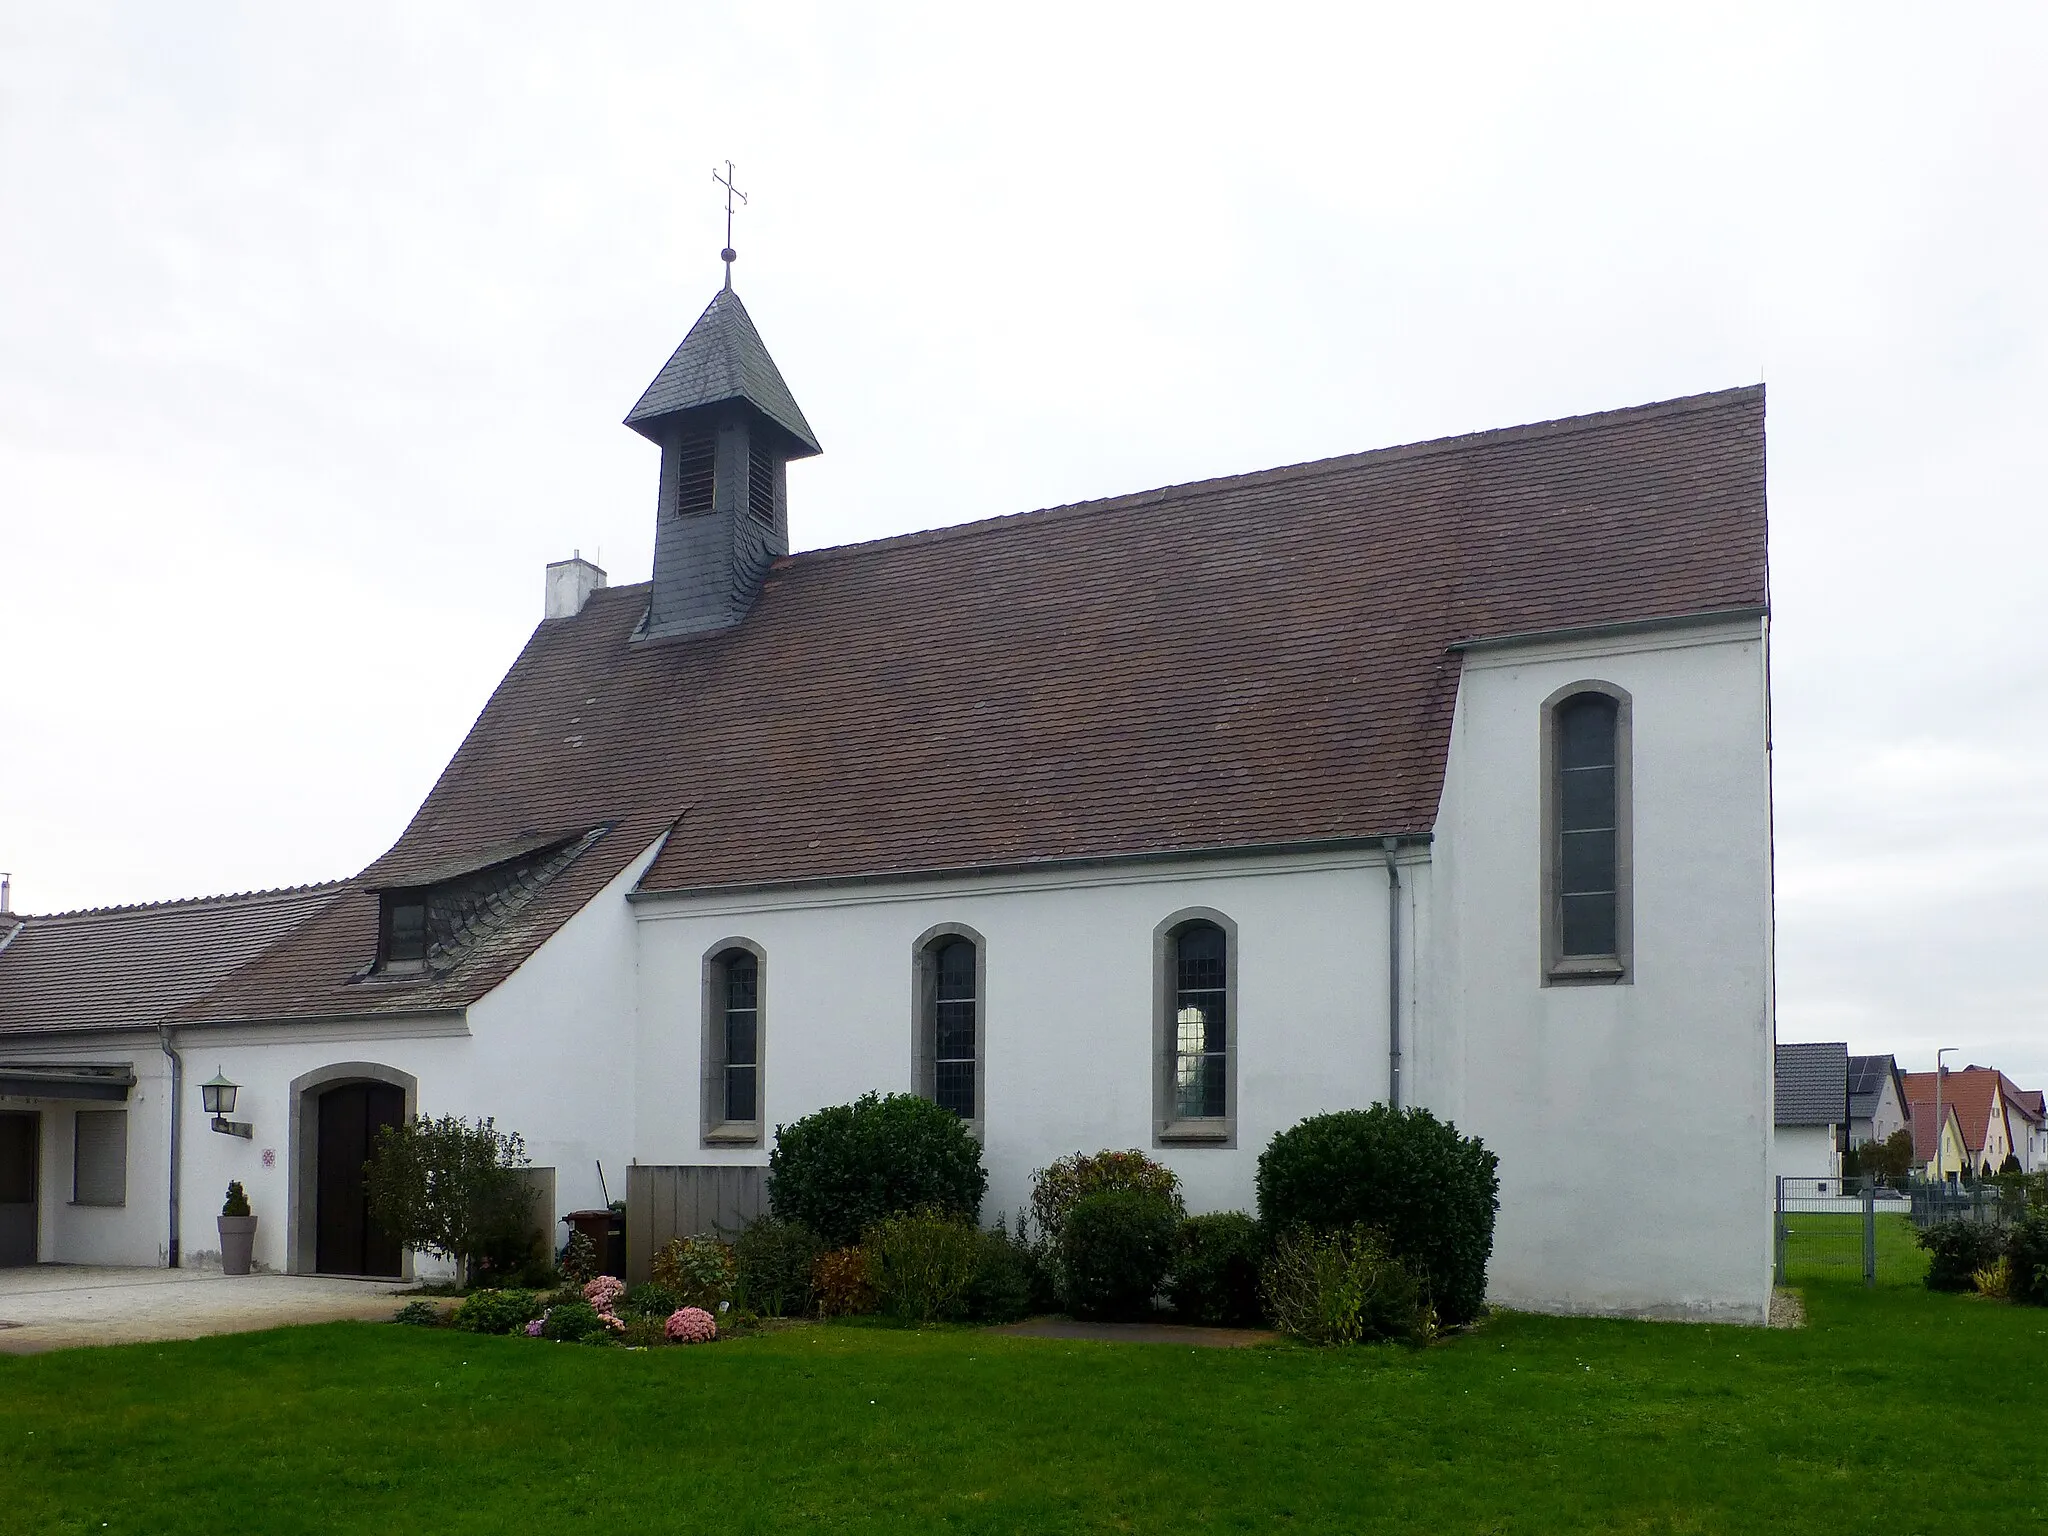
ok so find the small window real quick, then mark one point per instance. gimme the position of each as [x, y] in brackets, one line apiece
[1195, 999]
[695, 461]
[99, 1169]
[405, 931]
[1586, 835]
[760, 482]
[947, 972]
[735, 1011]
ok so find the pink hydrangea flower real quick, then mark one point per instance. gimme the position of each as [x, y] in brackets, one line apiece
[604, 1292]
[691, 1325]
[533, 1328]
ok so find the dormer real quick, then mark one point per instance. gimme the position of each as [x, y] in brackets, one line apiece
[427, 924]
[727, 427]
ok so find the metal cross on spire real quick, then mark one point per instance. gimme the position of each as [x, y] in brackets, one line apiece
[728, 255]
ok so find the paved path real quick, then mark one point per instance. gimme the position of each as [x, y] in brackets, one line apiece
[1139, 1333]
[60, 1306]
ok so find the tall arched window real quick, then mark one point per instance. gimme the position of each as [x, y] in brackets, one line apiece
[1196, 994]
[948, 980]
[1586, 853]
[733, 1037]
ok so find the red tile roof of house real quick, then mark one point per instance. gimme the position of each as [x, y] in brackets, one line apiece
[1260, 661]
[1974, 1091]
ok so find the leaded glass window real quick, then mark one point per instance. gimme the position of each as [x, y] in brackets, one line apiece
[742, 1035]
[1588, 826]
[953, 1005]
[1199, 1028]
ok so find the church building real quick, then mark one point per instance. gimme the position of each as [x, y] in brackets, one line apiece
[1433, 775]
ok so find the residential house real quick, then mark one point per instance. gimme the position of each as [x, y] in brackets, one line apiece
[1877, 1098]
[1811, 1096]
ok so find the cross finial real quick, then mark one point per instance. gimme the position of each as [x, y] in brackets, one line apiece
[728, 255]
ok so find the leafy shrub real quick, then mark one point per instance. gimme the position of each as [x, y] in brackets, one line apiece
[847, 1167]
[691, 1325]
[1003, 1284]
[699, 1270]
[579, 1259]
[1342, 1288]
[450, 1187]
[237, 1201]
[637, 1330]
[419, 1314]
[2026, 1247]
[649, 1300]
[840, 1281]
[1216, 1275]
[1428, 1191]
[496, 1311]
[574, 1322]
[1115, 1250]
[1956, 1251]
[1054, 1190]
[922, 1265]
[774, 1258]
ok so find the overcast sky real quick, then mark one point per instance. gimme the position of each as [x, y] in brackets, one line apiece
[317, 325]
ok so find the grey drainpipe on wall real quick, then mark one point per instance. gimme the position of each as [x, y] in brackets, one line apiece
[163, 1035]
[1392, 846]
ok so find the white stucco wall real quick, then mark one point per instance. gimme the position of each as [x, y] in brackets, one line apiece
[1632, 1121]
[134, 1232]
[1068, 1014]
[1804, 1152]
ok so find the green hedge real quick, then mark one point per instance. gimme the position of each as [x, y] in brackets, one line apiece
[845, 1168]
[1403, 1173]
[1115, 1251]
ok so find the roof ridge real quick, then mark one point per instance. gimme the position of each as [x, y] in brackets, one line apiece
[221, 897]
[1558, 426]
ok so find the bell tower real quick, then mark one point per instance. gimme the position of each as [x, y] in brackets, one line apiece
[728, 427]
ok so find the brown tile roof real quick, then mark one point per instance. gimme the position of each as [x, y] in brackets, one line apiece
[1921, 1116]
[1972, 1090]
[1255, 661]
[132, 967]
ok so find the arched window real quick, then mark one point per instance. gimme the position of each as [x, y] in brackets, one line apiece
[1586, 853]
[948, 979]
[1196, 996]
[733, 1015]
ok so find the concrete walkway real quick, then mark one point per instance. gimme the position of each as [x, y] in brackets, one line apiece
[61, 1306]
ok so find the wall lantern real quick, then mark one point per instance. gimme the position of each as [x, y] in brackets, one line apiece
[218, 1096]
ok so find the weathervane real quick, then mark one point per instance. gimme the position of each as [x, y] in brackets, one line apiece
[728, 255]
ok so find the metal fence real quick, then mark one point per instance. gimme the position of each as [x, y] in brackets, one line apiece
[1867, 1229]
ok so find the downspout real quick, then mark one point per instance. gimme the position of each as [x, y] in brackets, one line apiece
[163, 1035]
[1392, 845]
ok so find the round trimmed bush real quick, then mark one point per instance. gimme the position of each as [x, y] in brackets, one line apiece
[2026, 1250]
[1956, 1250]
[1055, 1189]
[1405, 1174]
[1216, 1277]
[845, 1168]
[1115, 1252]
[574, 1322]
[496, 1311]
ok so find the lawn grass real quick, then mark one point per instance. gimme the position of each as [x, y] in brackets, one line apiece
[1828, 1245]
[1528, 1424]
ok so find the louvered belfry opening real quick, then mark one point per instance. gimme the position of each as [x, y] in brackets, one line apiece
[695, 482]
[760, 481]
[727, 424]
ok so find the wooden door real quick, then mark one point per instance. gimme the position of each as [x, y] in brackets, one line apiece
[346, 1240]
[19, 1135]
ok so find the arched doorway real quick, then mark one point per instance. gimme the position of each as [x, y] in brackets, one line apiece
[346, 1240]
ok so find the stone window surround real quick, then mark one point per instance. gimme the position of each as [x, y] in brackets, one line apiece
[1554, 969]
[924, 1017]
[303, 1133]
[716, 1130]
[1167, 1130]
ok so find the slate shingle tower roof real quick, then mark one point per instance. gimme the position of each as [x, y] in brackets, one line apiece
[722, 360]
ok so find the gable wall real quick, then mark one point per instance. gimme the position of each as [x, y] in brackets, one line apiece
[1632, 1121]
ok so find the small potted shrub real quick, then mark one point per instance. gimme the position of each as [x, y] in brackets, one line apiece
[237, 1231]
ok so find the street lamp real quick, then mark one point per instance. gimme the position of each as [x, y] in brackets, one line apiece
[1940, 1125]
[217, 1094]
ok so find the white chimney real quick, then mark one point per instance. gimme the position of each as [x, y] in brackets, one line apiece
[570, 583]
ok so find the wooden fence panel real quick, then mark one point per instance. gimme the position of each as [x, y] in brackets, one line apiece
[685, 1201]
